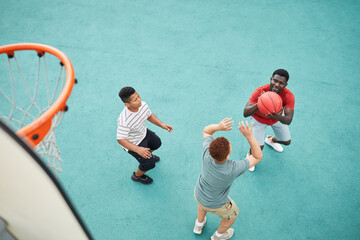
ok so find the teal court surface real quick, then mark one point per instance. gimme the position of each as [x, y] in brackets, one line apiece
[194, 63]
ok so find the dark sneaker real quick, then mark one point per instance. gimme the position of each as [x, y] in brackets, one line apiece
[144, 179]
[156, 158]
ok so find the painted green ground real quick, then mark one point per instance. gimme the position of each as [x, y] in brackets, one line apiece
[194, 63]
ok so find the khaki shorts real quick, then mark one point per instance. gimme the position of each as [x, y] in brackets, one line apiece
[227, 212]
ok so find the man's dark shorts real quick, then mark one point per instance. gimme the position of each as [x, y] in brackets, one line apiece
[151, 141]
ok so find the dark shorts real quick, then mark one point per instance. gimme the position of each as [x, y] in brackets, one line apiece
[151, 141]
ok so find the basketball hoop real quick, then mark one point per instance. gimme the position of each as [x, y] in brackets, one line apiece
[36, 129]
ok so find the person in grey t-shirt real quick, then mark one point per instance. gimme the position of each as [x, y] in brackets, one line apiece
[217, 175]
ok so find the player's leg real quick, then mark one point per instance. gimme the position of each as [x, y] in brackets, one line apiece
[225, 225]
[201, 214]
[282, 136]
[139, 173]
[228, 214]
[144, 166]
[259, 133]
[154, 143]
[201, 219]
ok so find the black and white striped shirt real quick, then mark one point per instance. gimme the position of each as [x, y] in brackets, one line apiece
[131, 126]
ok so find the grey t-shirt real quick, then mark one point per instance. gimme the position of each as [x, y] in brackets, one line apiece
[213, 185]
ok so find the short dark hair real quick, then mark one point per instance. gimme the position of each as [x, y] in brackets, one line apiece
[283, 73]
[125, 94]
[219, 148]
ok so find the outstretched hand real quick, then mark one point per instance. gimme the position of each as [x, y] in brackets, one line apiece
[226, 124]
[246, 130]
[167, 127]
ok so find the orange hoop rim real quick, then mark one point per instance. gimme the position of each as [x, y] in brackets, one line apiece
[37, 130]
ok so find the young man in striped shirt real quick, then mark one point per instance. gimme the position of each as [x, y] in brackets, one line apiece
[133, 135]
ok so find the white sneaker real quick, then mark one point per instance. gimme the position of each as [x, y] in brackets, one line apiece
[227, 235]
[252, 168]
[275, 146]
[198, 229]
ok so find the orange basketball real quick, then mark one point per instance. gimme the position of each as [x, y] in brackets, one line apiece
[270, 102]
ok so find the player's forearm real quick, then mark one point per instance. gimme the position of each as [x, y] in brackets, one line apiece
[211, 129]
[285, 119]
[255, 148]
[154, 120]
[250, 109]
[127, 144]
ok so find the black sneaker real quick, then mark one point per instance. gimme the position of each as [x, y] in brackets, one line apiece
[156, 158]
[144, 179]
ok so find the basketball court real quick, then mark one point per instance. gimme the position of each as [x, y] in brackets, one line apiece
[193, 63]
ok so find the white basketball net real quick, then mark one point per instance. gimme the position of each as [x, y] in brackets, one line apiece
[24, 105]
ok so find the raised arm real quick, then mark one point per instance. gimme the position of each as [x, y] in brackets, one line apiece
[154, 120]
[250, 109]
[256, 154]
[224, 125]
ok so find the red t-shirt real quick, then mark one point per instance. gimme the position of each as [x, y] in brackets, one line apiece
[286, 95]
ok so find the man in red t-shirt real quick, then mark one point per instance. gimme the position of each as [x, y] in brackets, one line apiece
[278, 122]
